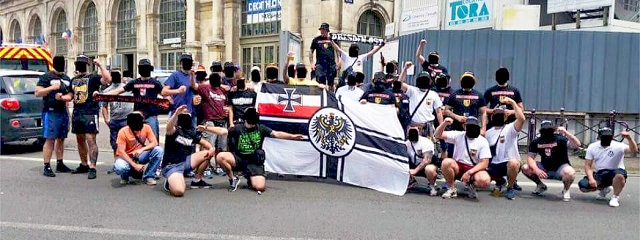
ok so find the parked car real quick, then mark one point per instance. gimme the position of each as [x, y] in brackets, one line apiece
[20, 109]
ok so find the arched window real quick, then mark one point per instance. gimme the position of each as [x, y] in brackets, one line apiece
[126, 24]
[173, 20]
[370, 23]
[90, 29]
[60, 26]
[16, 32]
[36, 31]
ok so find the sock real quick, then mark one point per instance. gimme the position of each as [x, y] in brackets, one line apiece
[47, 165]
[614, 196]
[60, 161]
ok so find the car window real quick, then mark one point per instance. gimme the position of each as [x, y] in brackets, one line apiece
[20, 64]
[20, 84]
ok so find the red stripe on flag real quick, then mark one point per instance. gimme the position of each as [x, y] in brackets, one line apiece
[277, 110]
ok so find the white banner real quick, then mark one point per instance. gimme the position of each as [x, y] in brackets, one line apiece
[556, 6]
[418, 17]
[469, 14]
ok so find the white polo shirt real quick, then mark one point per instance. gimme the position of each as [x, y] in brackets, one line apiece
[611, 157]
[478, 147]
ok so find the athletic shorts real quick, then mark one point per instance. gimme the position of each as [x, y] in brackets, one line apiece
[248, 169]
[81, 124]
[55, 125]
[219, 142]
[556, 175]
[462, 168]
[182, 168]
[325, 74]
[497, 170]
[603, 177]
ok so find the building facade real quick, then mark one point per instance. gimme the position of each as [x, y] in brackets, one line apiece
[247, 32]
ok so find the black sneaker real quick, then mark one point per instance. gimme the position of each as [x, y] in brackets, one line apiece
[516, 186]
[48, 172]
[233, 184]
[200, 184]
[61, 168]
[92, 173]
[81, 169]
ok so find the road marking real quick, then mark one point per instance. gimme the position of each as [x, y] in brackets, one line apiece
[134, 233]
[40, 159]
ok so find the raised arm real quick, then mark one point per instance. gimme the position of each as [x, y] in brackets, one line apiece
[419, 56]
[403, 76]
[106, 75]
[375, 50]
[633, 146]
[520, 118]
[575, 143]
[440, 134]
[171, 124]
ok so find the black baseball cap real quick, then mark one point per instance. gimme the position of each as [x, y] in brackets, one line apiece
[300, 65]
[144, 62]
[379, 76]
[82, 59]
[605, 131]
[546, 124]
[473, 121]
[423, 74]
[324, 26]
[186, 56]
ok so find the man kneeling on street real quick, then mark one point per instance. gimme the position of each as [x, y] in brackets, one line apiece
[179, 157]
[245, 151]
[133, 152]
[421, 155]
[470, 157]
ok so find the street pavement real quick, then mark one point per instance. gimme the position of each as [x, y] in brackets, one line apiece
[72, 207]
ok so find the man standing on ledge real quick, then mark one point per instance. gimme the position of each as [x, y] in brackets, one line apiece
[325, 64]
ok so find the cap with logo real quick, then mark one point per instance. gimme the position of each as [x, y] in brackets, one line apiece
[82, 59]
[144, 62]
[186, 56]
[605, 131]
[546, 124]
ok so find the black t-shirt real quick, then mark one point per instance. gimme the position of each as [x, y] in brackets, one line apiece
[244, 142]
[240, 101]
[493, 95]
[466, 104]
[50, 102]
[325, 54]
[434, 70]
[385, 97]
[146, 88]
[179, 145]
[83, 87]
[553, 151]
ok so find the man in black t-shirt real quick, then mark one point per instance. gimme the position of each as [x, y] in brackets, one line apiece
[55, 89]
[555, 164]
[432, 63]
[494, 94]
[379, 93]
[240, 100]
[145, 86]
[84, 122]
[179, 157]
[463, 103]
[245, 151]
[325, 64]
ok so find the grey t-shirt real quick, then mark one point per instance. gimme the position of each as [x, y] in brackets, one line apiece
[118, 110]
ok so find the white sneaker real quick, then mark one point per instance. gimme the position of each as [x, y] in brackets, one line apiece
[614, 201]
[433, 191]
[471, 192]
[450, 193]
[602, 195]
[540, 189]
[566, 195]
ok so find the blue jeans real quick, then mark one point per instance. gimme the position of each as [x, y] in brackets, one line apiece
[153, 123]
[153, 158]
[114, 127]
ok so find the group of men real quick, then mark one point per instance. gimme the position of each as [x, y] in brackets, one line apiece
[478, 133]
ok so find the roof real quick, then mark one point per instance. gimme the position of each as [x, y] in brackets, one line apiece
[18, 72]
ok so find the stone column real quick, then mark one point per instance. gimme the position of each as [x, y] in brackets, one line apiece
[231, 30]
[151, 38]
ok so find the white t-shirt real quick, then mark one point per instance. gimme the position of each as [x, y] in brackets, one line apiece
[611, 157]
[257, 86]
[348, 61]
[427, 107]
[423, 146]
[507, 145]
[347, 93]
[478, 147]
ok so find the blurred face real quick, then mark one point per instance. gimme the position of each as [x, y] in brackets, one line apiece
[324, 32]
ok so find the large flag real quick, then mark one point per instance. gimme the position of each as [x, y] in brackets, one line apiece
[353, 143]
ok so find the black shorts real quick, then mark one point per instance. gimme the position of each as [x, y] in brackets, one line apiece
[604, 178]
[246, 168]
[325, 74]
[497, 170]
[81, 124]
